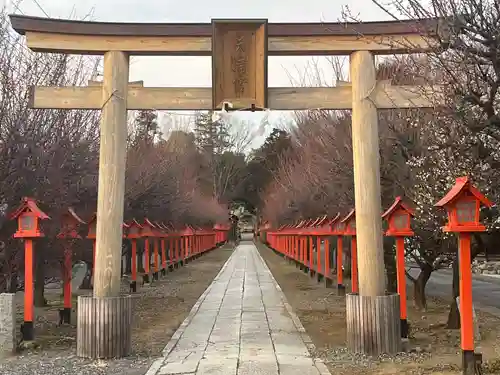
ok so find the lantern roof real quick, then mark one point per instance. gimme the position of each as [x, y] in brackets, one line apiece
[148, 223]
[335, 219]
[322, 220]
[398, 204]
[71, 213]
[463, 184]
[350, 215]
[305, 223]
[135, 223]
[316, 222]
[28, 204]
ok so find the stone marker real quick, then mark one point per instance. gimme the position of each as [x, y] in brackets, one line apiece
[7, 324]
[79, 272]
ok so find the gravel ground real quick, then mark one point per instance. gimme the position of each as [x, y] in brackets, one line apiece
[160, 309]
[432, 349]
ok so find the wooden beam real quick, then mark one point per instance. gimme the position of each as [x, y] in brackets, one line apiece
[130, 84]
[202, 46]
[200, 98]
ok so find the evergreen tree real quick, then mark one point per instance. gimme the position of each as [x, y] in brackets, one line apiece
[147, 129]
[212, 137]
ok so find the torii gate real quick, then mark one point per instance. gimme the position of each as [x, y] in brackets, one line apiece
[239, 50]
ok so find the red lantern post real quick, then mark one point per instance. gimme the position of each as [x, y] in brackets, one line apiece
[69, 233]
[350, 230]
[298, 235]
[188, 235]
[399, 217]
[147, 233]
[338, 229]
[134, 233]
[158, 233]
[164, 235]
[462, 203]
[324, 231]
[28, 215]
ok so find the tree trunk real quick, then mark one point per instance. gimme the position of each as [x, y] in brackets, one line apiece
[419, 297]
[39, 292]
[454, 315]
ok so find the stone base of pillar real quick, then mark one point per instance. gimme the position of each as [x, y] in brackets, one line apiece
[104, 327]
[373, 324]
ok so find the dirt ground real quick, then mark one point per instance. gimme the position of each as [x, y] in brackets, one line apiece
[159, 311]
[433, 349]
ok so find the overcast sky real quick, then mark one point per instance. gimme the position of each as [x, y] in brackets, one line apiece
[196, 71]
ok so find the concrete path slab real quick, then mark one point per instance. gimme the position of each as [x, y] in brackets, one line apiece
[241, 325]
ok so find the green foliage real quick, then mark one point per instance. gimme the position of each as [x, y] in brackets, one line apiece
[262, 164]
[146, 126]
[212, 137]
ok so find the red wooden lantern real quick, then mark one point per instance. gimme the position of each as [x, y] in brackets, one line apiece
[164, 235]
[28, 215]
[337, 228]
[134, 230]
[350, 223]
[69, 231]
[134, 233]
[125, 228]
[462, 204]
[148, 231]
[323, 230]
[398, 217]
[350, 230]
[69, 225]
[336, 225]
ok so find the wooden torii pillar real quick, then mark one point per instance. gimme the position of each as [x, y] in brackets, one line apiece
[239, 50]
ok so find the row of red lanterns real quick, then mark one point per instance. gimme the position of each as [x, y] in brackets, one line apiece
[462, 204]
[184, 244]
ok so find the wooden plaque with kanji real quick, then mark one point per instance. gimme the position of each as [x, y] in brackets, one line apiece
[239, 63]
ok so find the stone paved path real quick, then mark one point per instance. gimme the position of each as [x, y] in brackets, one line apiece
[241, 325]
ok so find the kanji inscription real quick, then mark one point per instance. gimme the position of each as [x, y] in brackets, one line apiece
[239, 64]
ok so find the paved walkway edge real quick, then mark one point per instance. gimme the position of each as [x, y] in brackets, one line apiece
[318, 362]
[156, 365]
